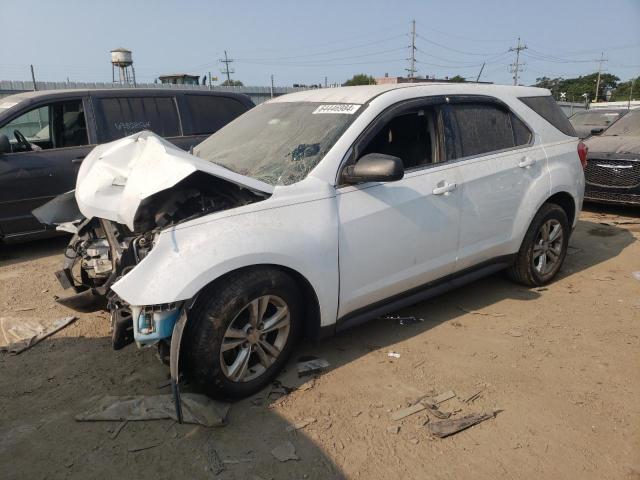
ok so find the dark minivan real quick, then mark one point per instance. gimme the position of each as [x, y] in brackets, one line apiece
[44, 136]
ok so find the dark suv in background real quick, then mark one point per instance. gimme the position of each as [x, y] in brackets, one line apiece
[44, 136]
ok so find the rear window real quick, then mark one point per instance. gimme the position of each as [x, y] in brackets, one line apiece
[485, 127]
[548, 109]
[118, 117]
[210, 113]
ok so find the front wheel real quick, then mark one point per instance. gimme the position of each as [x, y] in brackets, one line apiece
[241, 332]
[544, 247]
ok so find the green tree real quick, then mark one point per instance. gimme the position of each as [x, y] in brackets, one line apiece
[360, 79]
[458, 79]
[232, 83]
[622, 91]
[575, 87]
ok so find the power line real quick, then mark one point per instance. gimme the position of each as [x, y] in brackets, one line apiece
[516, 67]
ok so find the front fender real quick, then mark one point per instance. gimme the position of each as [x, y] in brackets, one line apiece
[186, 258]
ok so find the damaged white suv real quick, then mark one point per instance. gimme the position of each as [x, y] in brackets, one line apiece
[314, 212]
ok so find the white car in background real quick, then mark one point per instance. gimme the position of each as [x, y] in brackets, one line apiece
[317, 211]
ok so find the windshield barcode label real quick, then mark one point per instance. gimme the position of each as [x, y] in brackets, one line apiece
[347, 108]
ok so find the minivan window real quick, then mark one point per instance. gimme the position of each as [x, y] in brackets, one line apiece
[548, 109]
[482, 128]
[210, 113]
[57, 125]
[118, 117]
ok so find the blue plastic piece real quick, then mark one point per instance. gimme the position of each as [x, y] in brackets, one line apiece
[151, 327]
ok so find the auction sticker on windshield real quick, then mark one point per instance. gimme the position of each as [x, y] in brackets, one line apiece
[347, 108]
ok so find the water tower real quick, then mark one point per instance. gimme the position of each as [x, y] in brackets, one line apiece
[122, 59]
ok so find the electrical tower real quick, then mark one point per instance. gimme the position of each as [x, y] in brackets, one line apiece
[227, 71]
[412, 59]
[516, 67]
[602, 59]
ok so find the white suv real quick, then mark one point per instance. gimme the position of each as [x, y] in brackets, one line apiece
[317, 211]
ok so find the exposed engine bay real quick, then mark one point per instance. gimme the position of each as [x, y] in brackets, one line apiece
[102, 251]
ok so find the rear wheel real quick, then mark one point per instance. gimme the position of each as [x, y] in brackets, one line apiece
[544, 247]
[241, 333]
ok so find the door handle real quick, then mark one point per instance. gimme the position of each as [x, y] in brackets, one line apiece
[78, 159]
[444, 188]
[526, 162]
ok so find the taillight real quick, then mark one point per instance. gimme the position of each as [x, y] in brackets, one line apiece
[583, 151]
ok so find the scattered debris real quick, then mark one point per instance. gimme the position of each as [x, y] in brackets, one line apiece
[301, 424]
[394, 430]
[20, 334]
[410, 320]
[438, 413]
[443, 397]
[117, 431]
[285, 451]
[418, 364]
[414, 440]
[405, 412]
[311, 365]
[307, 385]
[213, 459]
[393, 355]
[133, 449]
[445, 428]
[473, 397]
[357, 414]
[198, 409]
[478, 312]
[24, 309]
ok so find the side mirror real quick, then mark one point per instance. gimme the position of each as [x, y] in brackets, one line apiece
[597, 131]
[374, 167]
[5, 145]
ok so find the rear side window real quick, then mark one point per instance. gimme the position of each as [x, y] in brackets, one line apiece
[210, 113]
[482, 128]
[118, 117]
[548, 109]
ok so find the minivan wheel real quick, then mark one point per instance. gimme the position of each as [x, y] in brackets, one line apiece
[240, 333]
[544, 247]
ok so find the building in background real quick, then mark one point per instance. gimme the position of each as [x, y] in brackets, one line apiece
[180, 79]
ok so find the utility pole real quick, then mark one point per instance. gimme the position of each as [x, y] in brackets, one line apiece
[602, 59]
[516, 67]
[630, 94]
[325, 82]
[33, 77]
[210, 88]
[272, 85]
[412, 60]
[227, 71]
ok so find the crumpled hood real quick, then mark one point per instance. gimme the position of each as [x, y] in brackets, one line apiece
[614, 144]
[117, 176]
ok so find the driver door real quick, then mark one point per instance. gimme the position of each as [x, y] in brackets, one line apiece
[399, 235]
[32, 175]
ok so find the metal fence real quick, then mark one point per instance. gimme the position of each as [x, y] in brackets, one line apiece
[257, 94]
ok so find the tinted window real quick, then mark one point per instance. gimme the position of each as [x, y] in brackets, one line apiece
[209, 113]
[548, 109]
[122, 116]
[521, 133]
[482, 128]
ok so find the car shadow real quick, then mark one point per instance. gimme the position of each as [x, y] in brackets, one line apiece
[12, 253]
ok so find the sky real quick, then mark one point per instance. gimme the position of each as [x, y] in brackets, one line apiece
[305, 41]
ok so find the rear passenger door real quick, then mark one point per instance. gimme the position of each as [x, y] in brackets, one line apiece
[120, 116]
[498, 163]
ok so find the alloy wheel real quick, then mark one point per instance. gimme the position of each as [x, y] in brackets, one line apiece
[547, 250]
[255, 338]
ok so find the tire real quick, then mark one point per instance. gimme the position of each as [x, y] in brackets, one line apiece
[213, 347]
[528, 268]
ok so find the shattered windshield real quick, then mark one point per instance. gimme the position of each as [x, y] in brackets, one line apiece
[627, 126]
[278, 143]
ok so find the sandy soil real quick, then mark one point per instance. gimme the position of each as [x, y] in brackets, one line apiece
[562, 363]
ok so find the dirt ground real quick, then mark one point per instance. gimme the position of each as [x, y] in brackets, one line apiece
[562, 363]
